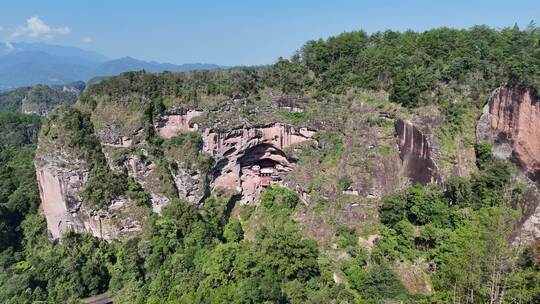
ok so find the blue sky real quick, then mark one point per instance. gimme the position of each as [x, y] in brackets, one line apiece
[234, 32]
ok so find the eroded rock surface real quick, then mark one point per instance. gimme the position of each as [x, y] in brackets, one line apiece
[140, 166]
[189, 184]
[60, 178]
[528, 228]
[249, 159]
[415, 152]
[176, 122]
[511, 120]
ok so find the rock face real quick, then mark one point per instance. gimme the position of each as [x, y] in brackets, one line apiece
[176, 122]
[60, 178]
[529, 224]
[511, 120]
[189, 184]
[120, 142]
[140, 167]
[62, 171]
[530, 227]
[59, 190]
[243, 155]
[415, 152]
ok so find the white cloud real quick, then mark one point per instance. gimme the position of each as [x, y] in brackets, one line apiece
[1, 28]
[35, 27]
[87, 39]
[9, 46]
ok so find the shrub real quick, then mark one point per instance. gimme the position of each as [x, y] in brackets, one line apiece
[346, 237]
[279, 197]
[484, 154]
[381, 283]
[344, 182]
[136, 193]
[459, 191]
[233, 231]
[103, 186]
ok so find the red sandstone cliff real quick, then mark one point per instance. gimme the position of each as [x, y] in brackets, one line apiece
[511, 120]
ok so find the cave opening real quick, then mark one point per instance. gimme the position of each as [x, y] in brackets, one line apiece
[262, 166]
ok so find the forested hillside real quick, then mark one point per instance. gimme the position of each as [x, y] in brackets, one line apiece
[353, 221]
[39, 99]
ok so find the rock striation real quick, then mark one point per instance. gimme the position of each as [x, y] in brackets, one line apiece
[237, 151]
[63, 170]
[61, 177]
[511, 121]
[415, 152]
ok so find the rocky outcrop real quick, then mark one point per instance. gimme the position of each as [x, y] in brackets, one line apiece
[290, 103]
[278, 135]
[176, 122]
[189, 184]
[61, 177]
[511, 121]
[119, 142]
[415, 277]
[528, 228]
[138, 166]
[63, 171]
[141, 167]
[41, 100]
[237, 151]
[415, 152]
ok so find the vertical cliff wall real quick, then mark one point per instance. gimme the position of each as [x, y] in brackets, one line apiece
[61, 177]
[511, 121]
[67, 146]
[59, 191]
[415, 152]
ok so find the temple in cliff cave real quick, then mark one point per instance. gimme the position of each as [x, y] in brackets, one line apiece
[268, 173]
[263, 172]
[249, 160]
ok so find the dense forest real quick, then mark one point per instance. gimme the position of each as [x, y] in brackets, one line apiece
[435, 66]
[39, 99]
[462, 229]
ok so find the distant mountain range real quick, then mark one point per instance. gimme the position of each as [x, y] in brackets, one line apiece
[25, 64]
